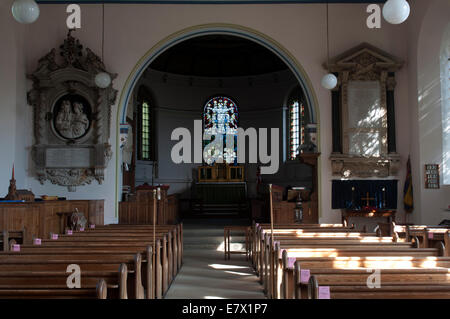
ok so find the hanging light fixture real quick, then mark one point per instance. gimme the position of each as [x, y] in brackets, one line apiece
[329, 81]
[25, 11]
[396, 11]
[103, 79]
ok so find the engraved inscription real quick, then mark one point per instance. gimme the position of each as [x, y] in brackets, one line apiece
[68, 157]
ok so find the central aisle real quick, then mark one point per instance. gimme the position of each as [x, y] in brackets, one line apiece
[205, 273]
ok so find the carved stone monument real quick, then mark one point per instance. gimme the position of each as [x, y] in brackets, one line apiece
[72, 116]
[364, 135]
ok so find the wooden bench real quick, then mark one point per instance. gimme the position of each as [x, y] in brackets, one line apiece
[98, 252]
[405, 288]
[169, 251]
[93, 267]
[227, 240]
[350, 265]
[273, 256]
[100, 291]
[144, 228]
[101, 242]
[259, 231]
[266, 257]
[30, 279]
[156, 269]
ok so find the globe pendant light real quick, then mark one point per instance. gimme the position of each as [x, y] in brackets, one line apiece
[103, 79]
[25, 11]
[396, 11]
[329, 81]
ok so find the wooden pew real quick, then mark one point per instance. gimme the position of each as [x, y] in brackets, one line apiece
[259, 231]
[99, 291]
[153, 274]
[145, 228]
[115, 279]
[391, 266]
[425, 233]
[268, 267]
[173, 249]
[113, 240]
[169, 251]
[93, 267]
[405, 288]
[136, 230]
[274, 261]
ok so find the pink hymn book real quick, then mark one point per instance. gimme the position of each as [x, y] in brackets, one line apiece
[291, 262]
[430, 235]
[37, 241]
[16, 247]
[304, 275]
[54, 236]
[92, 226]
[324, 292]
[81, 229]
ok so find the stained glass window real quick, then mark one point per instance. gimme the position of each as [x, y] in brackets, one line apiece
[296, 127]
[145, 132]
[220, 120]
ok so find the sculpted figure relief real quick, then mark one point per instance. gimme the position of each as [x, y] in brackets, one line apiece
[71, 122]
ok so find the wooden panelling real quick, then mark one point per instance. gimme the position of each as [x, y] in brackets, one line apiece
[141, 212]
[40, 218]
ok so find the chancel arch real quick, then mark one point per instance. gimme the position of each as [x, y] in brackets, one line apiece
[212, 29]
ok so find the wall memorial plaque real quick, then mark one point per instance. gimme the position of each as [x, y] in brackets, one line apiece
[72, 116]
[364, 140]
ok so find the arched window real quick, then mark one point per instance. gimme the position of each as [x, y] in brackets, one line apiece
[297, 121]
[445, 100]
[145, 124]
[220, 122]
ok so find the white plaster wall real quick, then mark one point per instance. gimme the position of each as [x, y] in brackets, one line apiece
[133, 29]
[427, 30]
[12, 99]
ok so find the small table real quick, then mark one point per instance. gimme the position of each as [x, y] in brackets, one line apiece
[386, 213]
[227, 240]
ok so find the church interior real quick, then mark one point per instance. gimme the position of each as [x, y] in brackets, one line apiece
[225, 149]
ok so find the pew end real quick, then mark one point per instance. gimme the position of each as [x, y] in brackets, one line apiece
[102, 290]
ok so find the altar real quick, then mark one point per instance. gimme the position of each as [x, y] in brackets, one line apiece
[220, 188]
[370, 201]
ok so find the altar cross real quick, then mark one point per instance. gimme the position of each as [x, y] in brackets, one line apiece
[367, 199]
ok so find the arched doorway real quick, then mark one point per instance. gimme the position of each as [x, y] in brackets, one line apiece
[202, 30]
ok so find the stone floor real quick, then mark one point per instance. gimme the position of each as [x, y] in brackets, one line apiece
[205, 273]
